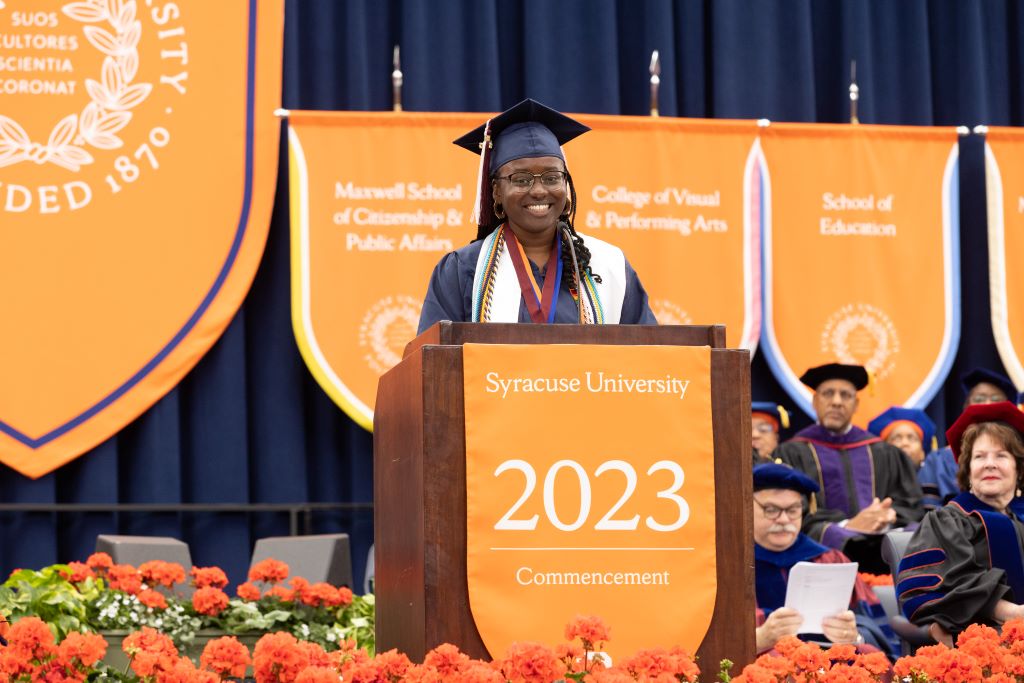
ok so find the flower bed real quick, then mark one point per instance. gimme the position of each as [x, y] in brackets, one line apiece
[99, 595]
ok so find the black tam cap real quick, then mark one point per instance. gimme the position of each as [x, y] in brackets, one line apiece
[854, 374]
[529, 129]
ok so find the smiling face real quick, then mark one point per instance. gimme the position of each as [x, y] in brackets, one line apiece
[993, 471]
[532, 214]
[835, 402]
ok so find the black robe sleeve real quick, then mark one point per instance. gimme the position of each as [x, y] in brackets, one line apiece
[946, 576]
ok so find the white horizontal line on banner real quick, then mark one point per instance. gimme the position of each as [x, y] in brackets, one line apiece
[601, 548]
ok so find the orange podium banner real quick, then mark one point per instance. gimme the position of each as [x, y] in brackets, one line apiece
[378, 197]
[138, 156]
[860, 218]
[568, 510]
[1004, 183]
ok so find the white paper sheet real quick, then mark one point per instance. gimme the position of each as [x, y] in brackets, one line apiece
[819, 590]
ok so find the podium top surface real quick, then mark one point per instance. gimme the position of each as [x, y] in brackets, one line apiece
[455, 334]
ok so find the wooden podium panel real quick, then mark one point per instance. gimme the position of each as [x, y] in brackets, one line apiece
[420, 487]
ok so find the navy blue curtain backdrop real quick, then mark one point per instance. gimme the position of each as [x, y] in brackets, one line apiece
[249, 424]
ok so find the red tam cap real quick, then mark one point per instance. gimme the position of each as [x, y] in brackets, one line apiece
[1004, 411]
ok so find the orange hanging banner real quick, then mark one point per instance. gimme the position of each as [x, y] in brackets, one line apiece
[568, 513]
[1004, 183]
[376, 200]
[138, 156]
[862, 257]
[680, 198]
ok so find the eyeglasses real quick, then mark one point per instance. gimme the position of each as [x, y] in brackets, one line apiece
[523, 181]
[773, 512]
[764, 427]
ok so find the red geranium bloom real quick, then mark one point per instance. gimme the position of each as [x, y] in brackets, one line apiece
[317, 674]
[151, 598]
[281, 593]
[84, 649]
[530, 663]
[392, 664]
[209, 601]
[99, 562]
[151, 652]
[446, 658]
[78, 572]
[269, 570]
[248, 591]
[226, 657]
[160, 573]
[591, 630]
[344, 596]
[124, 577]
[203, 577]
[277, 658]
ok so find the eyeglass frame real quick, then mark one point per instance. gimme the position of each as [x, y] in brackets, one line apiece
[563, 175]
[789, 511]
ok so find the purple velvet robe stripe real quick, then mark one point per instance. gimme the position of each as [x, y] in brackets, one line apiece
[835, 536]
[833, 467]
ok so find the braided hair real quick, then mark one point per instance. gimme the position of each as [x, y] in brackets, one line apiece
[489, 222]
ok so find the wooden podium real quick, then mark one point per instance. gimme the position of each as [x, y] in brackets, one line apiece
[420, 486]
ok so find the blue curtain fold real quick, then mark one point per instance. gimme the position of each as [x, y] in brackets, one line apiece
[249, 424]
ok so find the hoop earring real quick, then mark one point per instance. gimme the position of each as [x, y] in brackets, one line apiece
[499, 210]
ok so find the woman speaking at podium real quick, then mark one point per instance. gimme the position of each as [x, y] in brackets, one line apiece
[528, 263]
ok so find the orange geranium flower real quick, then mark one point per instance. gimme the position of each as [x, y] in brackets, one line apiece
[205, 577]
[591, 630]
[99, 562]
[269, 571]
[277, 658]
[78, 572]
[446, 658]
[530, 663]
[151, 598]
[281, 593]
[151, 652]
[209, 601]
[81, 650]
[248, 591]
[226, 657]
[317, 674]
[344, 596]
[124, 577]
[160, 573]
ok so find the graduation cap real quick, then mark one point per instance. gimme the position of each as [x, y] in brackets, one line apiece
[918, 419]
[856, 375]
[527, 130]
[1003, 411]
[973, 378]
[776, 476]
[772, 412]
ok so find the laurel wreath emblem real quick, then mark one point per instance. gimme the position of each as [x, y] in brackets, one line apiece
[867, 319]
[110, 99]
[385, 327]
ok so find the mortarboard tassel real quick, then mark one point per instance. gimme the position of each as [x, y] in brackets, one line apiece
[784, 417]
[481, 207]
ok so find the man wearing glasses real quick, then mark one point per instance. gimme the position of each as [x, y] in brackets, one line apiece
[780, 494]
[867, 485]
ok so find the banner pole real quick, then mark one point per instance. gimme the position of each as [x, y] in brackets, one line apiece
[396, 79]
[854, 92]
[655, 70]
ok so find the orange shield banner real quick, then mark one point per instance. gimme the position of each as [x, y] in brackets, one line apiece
[569, 513]
[1004, 182]
[859, 217]
[679, 197]
[376, 200]
[138, 154]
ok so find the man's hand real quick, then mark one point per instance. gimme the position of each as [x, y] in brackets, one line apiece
[841, 628]
[874, 518]
[784, 621]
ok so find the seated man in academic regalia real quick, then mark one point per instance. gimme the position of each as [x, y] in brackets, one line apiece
[938, 472]
[767, 419]
[868, 486]
[780, 494]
